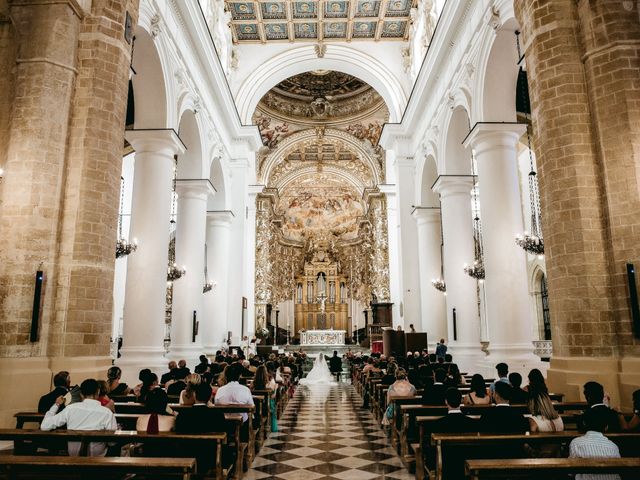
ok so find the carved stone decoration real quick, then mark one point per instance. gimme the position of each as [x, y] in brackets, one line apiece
[155, 26]
[380, 248]
[320, 50]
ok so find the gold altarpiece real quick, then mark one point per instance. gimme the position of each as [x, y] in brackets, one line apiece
[321, 295]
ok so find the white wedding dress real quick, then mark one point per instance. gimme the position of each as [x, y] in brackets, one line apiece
[319, 374]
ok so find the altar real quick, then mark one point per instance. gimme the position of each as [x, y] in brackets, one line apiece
[322, 337]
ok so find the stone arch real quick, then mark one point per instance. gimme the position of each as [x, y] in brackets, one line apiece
[190, 163]
[427, 175]
[456, 159]
[337, 57]
[151, 97]
[218, 179]
[536, 274]
[338, 172]
[283, 148]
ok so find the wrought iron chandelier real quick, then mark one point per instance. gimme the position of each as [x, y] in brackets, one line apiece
[123, 247]
[476, 270]
[208, 284]
[174, 272]
[439, 283]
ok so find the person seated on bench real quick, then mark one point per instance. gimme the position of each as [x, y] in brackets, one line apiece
[85, 415]
[61, 384]
[234, 393]
[536, 382]
[544, 417]
[200, 418]
[160, 419]
[518, 395]
[594, 394]
[503, 418]
[634, 424]
[188, 395]
[594, 444]
[149, 383]
[434, 394]
[478, 394]
[171, 374]
[113, 380]
[454, 421]
[502, 369]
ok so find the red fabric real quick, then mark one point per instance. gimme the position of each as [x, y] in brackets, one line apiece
[152, 426]
[104, 400]
[376, 347]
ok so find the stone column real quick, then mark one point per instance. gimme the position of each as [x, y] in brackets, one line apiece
[214, 324]
[457, 230]
[392, 265]
[434, 310]
[505, 286]
[144, 304]
[250, 256]
[190, 251]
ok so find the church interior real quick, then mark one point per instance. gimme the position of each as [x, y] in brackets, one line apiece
[424, 187]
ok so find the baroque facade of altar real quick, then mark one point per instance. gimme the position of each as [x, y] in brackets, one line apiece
[322, 337]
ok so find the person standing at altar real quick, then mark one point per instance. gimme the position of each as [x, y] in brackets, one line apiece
[411, 328]
[335, 365]
[244, 345]
[253, 346]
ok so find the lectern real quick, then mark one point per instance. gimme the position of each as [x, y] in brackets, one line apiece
[393, 342]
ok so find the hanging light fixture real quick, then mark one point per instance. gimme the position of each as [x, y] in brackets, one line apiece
[208, 284]
[439, 283]
[476, 270]
[123, 247]
[174, 272]
[532, 242]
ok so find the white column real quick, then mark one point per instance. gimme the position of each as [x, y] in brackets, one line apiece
[250, 255]
[214, 324]
[395, 277]
[457, 230]
[495, 147]
[144, 305]
[434, 312]
[190, 245]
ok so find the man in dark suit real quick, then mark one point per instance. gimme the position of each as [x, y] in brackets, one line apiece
[335, 365]
[171, 374]
[61, 384]
[518, 395]
[434, 394]
[200, 418]
[203, 366]
[503, 418]
[594, 395]
[455, 421]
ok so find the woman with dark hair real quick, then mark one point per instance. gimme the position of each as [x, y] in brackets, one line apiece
[149, 383]
[261, 379]
[159, 418]
[113, 381]
[478, 394]
[454, 377]
[536, 383]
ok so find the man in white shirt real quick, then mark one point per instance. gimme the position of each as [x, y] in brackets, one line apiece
[232, 392]
[594, 444]
[85, 415]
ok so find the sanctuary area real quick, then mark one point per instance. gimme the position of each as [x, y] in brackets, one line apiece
[321, 239]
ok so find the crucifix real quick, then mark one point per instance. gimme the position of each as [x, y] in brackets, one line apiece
[322, 298]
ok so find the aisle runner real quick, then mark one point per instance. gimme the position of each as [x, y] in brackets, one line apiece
[324, 434]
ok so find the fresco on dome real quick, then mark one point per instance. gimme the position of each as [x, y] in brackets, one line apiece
[370, 132]
[336, 9]
[273, 10]
[398, 8]
[393, 28]
[248, 31]
[242, 10]
[271, 131]
[335, 30]
[305, 30]
[305, 10]
[367, 8]
[320, 203]
[364, 29]
[276, 31]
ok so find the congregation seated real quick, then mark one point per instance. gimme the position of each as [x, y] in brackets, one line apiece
[183, 370]
[159, 418]
[434, 394]
[503, 418]
[232, 392]
[103, 396]
[401, 387]
[518, 395]
[634, 424]
[61, 385]
[203, 366]
[85, 415]
[502, 369]
[536, 382]
[478, 394]
[544, 417]
[390, 374]
[455, 421]
[113, 381]
[595, 397]
[171, 374]
[149, 382]
[188, 394]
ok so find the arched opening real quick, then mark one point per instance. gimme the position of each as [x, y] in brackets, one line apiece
[457, 159]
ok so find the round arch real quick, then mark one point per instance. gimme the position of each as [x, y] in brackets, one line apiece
[190, 163]
[456, 159]
[304, 59]
[289, 142]
[338, 172]
[427, 174]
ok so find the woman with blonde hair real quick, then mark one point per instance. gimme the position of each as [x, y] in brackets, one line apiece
[544, 417]
[402, 387]
[188, 395]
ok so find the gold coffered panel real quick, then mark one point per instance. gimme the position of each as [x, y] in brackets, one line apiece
[261, 21]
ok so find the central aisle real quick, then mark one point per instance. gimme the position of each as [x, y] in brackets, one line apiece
[324, 434]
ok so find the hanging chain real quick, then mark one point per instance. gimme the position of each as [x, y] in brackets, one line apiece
[477, 224]
[121, 208]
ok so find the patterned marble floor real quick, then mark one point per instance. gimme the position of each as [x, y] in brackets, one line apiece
[324, 434]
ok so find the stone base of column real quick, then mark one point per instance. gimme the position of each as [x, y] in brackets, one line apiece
[519, 357]
[135, 359]
[34, 376]
[468, 356]
[619, 376]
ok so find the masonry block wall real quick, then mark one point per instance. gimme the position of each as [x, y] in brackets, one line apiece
[583, 59]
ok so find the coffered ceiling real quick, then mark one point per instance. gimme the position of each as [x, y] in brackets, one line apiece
[261, 21]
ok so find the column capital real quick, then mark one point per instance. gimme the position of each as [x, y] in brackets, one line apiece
[452, 184]
[195, 188]
[487, 135]
[219, 218]
[161, 140]
[424, 215]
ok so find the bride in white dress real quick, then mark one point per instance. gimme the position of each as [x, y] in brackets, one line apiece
[319, 374]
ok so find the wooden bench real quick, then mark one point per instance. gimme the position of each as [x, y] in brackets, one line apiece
[535, 468]
[122, 437]
[72, 466]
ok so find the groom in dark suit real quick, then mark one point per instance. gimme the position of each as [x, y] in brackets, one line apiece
[335, 365]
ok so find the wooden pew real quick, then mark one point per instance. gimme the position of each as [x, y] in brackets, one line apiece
[72, 466]
[488, 443]
[534, 468]
[122, 437]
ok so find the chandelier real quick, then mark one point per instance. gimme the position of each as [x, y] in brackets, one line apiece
[174, 272]
[438, 284]
[208, 286]
[476, 270]
[123, 247]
